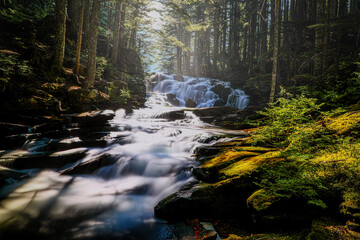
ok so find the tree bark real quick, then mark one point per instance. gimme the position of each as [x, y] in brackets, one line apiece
[253, 23]
[263, 38]
[216, 37]
[114, 56]
[187, 52]
[73, 9]
[319, 36]
[93, 33]
[276, 51]
[86, 23]
[60, 8]
[79, 36]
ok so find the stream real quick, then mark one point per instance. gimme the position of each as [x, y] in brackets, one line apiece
[148, 157]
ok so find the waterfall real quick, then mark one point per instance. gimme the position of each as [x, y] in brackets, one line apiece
[205, 92]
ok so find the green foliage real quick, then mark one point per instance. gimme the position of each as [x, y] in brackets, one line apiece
[287, 116]
[292, 180]
[22, 10]
[11, 65]
[342, 84]
[101, 65]
[118, 94]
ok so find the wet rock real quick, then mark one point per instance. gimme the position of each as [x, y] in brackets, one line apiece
[190, 103]
[172, 99]
[209, 114]
[48, 127]
[223, 200]
[7, 129]
[222, 91]
[91, 165]
[219, 102]
[76, 142]
[20, 159]
[172, 115]
[13, 141]
[179, 78]
[55, 134]
[91, 117]
[205, 151]
[8, 176]
[214, 111]
[59, 159]
[153, 80]
[250, 112]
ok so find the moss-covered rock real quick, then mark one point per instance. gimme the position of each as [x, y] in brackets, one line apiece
[249, 165]
[261, 200]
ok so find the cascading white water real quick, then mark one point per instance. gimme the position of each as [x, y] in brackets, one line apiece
[153, 159]
[203, 91]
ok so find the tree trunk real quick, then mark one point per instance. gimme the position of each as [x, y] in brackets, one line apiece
[319, 37]
[224, 32]
[79, 36]
[253, 23]
[109, 25]
[60, 9]
[179, 49]
[276, 51]
[73, 9]
[263, 38]
[114, 56]
[216, 37]
[272, 24]
[86, 22]
[93, 33]
[122, 40]
[187, 52]
[133, 32]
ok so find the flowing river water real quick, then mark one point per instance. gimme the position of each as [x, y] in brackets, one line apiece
[153, 158]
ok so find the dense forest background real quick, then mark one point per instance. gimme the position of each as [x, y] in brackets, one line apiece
[62, 55]
[309, 43]
[59, 56]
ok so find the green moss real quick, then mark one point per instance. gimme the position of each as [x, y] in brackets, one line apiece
[266, 236]
[249, 165]
[345, 122]
[351, 202]
[256, 149]
[261, 200]
[228, 157]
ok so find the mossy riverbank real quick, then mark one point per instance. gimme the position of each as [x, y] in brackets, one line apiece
[303, 184]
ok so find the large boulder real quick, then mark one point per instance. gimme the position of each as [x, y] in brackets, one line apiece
[172, 99]
[179, 78]
[190, 103]
[214, 111]
[21, 159]
[222, 91]
[223, 200]
[172, 115]
[209, 114]
[88, 167]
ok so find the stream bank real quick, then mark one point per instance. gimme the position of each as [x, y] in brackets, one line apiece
[235, 195]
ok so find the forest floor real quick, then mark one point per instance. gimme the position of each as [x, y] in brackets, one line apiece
[292, 177]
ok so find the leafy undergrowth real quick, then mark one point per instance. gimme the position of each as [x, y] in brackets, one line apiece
[311, 166]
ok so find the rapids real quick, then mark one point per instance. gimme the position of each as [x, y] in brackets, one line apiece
[153, 158]
[204, 92]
